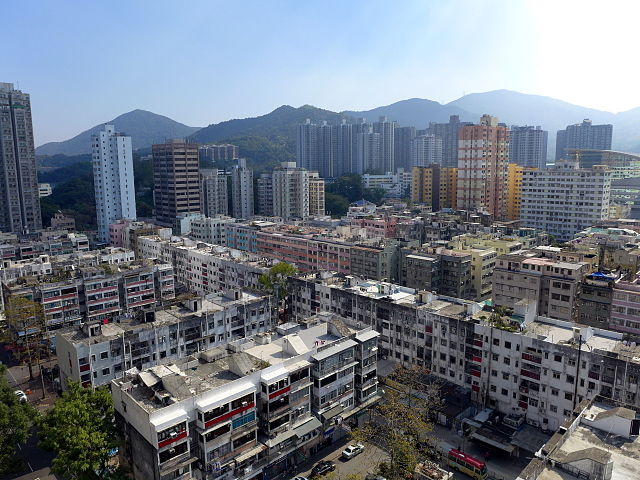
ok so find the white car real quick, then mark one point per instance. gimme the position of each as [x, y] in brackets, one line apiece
[352, 450]
[22, 397]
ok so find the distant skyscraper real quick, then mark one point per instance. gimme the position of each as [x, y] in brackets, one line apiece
[528, 146]
[483, 156]
[242, 190]
[426, 150]
[402, 138]
[176, 180]
[19, 195]
[112, 179]
[307, 145]
[344, 156]
[448, 132]
[213, 193]
[386, 129]
[368, 148]
[326, 164]
[583, 136]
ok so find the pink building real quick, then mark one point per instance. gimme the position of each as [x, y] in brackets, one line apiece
[625, 307]
[117, 232]
[377, 227]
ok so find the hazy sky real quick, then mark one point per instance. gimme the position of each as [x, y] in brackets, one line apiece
[201, 62]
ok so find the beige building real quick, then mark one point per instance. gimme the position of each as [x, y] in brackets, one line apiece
[552, 285]
[435, 186]
[316, 195]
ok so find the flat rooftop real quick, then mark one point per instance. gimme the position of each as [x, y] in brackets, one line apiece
[168, 316]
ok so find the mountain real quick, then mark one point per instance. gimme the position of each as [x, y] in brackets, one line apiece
[513, 108]
[145, 129]
[282, 122]
[416, 112]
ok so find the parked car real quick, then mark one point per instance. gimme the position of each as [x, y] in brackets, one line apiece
[373, 476]
[22, 397]
[322, 467]
[352, 450]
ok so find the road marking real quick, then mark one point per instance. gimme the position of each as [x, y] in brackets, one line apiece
[14, 378]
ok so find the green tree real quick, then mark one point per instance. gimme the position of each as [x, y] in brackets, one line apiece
[374, 195]
[349, 186]
[26, 327]
[336, 205]
[275, 281]
[15, 421]
[401, 421]
[80, 429]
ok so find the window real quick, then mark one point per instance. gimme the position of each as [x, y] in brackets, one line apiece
[555, 392]
[504, 392]
[570, 379]
[568, 396]
[557, 358]
[507, 361]
[507, 345]
[556, 375]
[106, 371]
[553, 408]
[104, 355]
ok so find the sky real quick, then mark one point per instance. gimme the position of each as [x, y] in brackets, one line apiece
[202, 62]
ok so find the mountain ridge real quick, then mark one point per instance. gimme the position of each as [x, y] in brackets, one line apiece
[511, 107]
[144, 127]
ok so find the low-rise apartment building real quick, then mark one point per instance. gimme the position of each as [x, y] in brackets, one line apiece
[522, 364]
[248, 411]
[97, 352]
[204, 268]
[97, 295]
[552, 285]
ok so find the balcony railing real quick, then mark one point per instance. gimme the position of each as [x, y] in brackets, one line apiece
[527, 373]
[531, 358]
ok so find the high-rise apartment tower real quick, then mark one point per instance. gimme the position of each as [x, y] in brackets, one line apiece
[19, 196]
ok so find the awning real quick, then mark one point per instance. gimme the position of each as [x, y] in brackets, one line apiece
[308, 427]
[272, 442]
[501, 446]
[250, 453]
[332, 412]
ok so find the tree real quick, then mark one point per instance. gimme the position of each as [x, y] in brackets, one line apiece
[15, 421]
[401, 421]
[349, 186]
[80, 429]
[25, 319]
[336, 205]
[275, 281]
[374, 195]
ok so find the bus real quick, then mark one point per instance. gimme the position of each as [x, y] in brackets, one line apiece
[467, 464]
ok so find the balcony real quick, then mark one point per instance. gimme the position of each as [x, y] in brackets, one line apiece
[531, 358]
[527, 373]
[595, 375]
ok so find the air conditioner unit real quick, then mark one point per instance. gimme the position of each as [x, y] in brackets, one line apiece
[173, 434]
[244, 404]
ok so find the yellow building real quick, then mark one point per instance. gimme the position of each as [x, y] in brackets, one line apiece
[514, 190]
[434, 185]
[483, 261]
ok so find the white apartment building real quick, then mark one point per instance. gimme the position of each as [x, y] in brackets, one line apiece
[95, 353]
[426, 150]
[241, 190]
[290, 187]
[113, 179]
[44, 189]
[538, 366]
[213, 193]
[565, 199]
[247, 411]
[396, 184]
[210, 229]
[204, 268]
